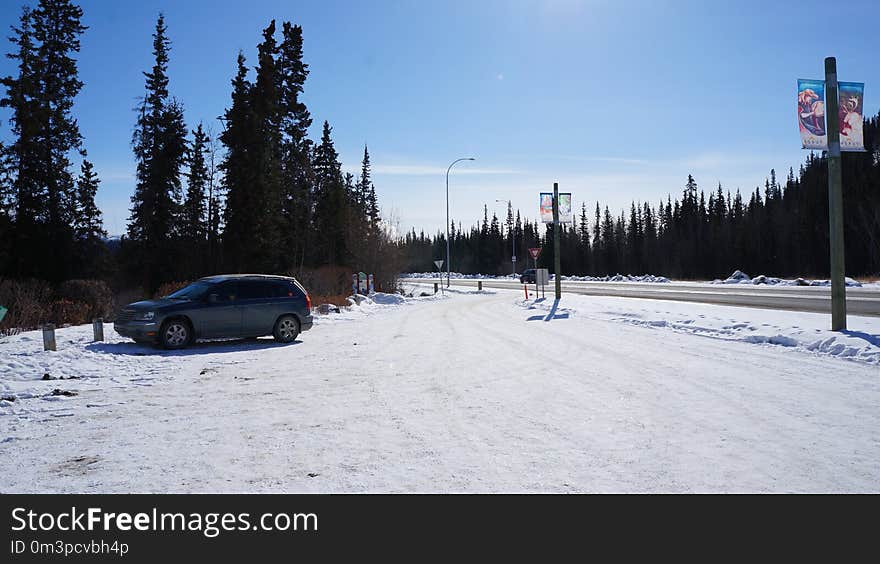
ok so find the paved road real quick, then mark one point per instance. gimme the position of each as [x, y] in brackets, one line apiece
[860, 301]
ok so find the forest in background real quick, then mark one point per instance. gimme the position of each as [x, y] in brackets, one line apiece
[259, 196]
[778, 229]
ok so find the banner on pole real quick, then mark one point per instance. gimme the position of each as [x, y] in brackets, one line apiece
[547, 207]
[850, 114]
[811, 114]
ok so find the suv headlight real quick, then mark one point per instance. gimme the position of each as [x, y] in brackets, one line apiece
[146, 316]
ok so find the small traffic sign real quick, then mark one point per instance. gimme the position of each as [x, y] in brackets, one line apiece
[513, 259]
[535, 252]
[438, 264]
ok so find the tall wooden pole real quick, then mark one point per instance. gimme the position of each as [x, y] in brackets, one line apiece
[835, 199]
[557, 259]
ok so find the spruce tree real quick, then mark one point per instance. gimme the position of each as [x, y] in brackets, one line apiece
[87, 224]
[363, 189]
[194, 226]
[6, 203]
[57, 29]
[238, 171]
[159, 144]
[296, 147]
[24, 155]
[46, 135]
[253, 234]
[330, 203]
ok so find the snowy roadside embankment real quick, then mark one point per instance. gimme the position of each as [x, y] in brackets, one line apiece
[618, 278]
[458, 276]
[740, 277]
[615, 278]
[798, 331]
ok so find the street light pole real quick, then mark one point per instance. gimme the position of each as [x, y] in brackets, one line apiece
[512, 241]
[447, 214]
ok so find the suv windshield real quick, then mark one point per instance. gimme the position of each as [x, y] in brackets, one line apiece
[192, 292]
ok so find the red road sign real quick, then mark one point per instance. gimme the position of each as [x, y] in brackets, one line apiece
[535, 253]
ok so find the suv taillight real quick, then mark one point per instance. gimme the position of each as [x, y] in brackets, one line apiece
[308, 302]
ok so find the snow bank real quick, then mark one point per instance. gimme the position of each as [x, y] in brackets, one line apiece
[615, 278]
[799, 331]
[458, 276]
[618, 278]
[387, 299]
[740, 277]
[360, 306]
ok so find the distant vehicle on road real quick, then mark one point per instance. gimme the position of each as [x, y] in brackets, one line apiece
[218, 307]
[528, 276]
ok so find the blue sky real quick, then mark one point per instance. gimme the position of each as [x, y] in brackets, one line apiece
[615, 100]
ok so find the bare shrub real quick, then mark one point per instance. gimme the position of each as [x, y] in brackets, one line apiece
[95, 293]
[326, 281]
[337, 299]
[67, 312]
[28, 302]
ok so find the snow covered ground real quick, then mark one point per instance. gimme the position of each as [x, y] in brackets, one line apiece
[470, 392]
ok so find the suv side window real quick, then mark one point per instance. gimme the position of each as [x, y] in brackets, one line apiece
[253, 289]
[226, 291]
[282, 289]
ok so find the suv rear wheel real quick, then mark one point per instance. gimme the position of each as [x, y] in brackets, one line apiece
[286, 329]
[175, 334]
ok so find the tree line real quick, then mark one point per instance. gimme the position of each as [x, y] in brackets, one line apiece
[260, 196]
[50, 227]
[780, 228]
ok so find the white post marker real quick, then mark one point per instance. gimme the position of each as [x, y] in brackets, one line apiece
[98, 329]
[49, 337]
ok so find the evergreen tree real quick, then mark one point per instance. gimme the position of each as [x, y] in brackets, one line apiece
[87, 225]
[45, 135]
[586, 248]
[6, 216]
[363, 187]
[255, 200]
[22, 159]
[159, 144]
[194, 221]
[238, 170]
[330, 203]
[296, 147]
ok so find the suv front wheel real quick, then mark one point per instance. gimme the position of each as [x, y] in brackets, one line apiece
[286, 329]
[175, 334]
